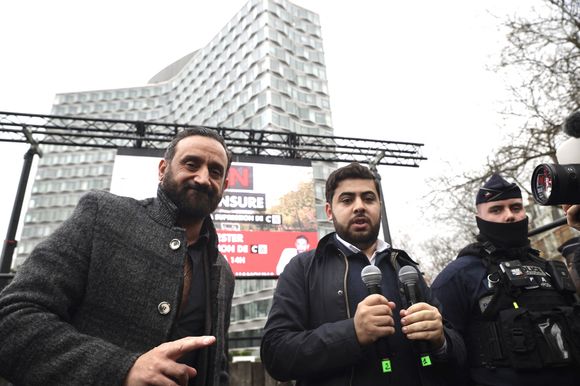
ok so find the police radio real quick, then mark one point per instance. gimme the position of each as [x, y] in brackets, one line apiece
[517, 274]
[555, 275]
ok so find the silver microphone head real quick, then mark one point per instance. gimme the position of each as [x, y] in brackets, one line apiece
[371, 275]
[408, 275]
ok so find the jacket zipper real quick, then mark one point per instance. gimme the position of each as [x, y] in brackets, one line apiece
[346, 302]
[344, 284]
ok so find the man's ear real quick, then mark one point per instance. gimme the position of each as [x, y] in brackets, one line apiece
[162, 169]
[328, 210]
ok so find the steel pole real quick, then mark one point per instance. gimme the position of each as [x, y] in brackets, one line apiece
[10, 241]
[384, 221]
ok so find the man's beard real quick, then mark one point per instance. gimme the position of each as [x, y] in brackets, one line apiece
[361, 240]
[192, 200]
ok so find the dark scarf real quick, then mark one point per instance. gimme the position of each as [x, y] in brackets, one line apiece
[512, 235]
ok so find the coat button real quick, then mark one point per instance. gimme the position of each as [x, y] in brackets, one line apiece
[340, 293]
[164, 308]
[174, 244]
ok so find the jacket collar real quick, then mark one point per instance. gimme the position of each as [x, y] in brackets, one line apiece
[163, 209]
[165, 212]
[332, 240]
[329, 243]
[381, 245]
[325, 243]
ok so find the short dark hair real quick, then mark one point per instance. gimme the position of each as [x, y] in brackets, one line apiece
[349, 172]
[201, 131]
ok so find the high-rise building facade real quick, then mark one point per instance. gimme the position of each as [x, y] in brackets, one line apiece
[264, 70]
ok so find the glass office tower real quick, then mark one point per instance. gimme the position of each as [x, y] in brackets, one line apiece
[264, 70]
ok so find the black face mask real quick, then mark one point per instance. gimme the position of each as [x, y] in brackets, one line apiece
[504, 235]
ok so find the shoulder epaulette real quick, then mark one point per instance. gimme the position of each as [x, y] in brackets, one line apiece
[474, 249]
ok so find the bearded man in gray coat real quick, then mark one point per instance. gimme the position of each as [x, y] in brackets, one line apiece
[128, 292]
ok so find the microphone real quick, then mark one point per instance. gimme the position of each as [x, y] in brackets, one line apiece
[409, 278]
[569, 151]
[371, 275]
[572, 125]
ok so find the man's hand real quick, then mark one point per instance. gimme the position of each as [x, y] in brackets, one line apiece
[422, 321]
[572, 215]
[159, 367]
[373, 319]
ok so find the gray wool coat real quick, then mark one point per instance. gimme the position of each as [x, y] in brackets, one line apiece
[104, 288]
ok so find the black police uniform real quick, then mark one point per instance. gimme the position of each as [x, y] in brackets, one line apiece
[519, 327]
[516, 311]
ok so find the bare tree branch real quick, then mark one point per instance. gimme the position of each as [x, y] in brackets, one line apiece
[542, 54]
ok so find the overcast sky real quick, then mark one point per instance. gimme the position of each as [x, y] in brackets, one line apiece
[412, 71]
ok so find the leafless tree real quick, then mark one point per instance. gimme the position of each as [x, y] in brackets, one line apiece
[442, 251]
[542, 53]
[544, 49]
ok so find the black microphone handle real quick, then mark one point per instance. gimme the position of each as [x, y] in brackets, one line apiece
[381, 345]
[374, 289]
[422, 347]
[415, 295]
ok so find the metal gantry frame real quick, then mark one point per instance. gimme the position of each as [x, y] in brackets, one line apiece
[115, 134]
[36, 130]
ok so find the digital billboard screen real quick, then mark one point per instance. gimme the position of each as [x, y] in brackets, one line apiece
[266, 215]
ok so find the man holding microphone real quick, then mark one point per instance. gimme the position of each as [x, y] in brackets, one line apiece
[325, 329]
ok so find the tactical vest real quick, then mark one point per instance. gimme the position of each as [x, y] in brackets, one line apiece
[529, 317]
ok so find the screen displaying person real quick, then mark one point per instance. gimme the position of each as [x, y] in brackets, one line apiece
[301, 244]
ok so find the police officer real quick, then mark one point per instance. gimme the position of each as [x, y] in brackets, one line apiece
[513, 308]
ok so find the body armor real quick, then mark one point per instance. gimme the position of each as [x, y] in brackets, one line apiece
[529, 317]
